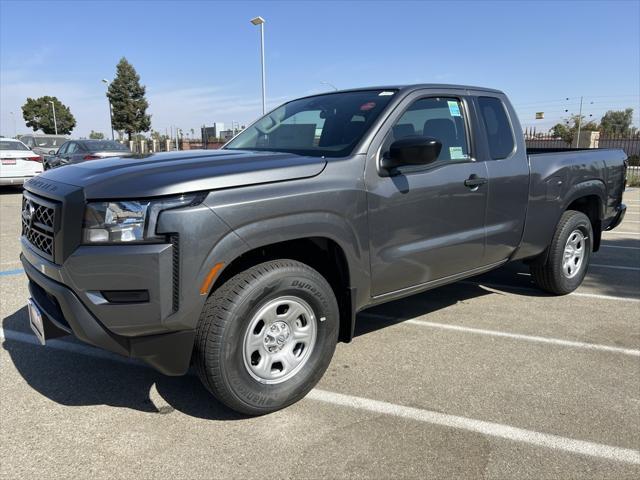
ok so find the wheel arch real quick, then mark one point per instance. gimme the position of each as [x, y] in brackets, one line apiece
[589, 198]
[330, 248]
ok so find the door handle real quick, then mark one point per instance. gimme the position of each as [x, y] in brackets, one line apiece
[474, 181]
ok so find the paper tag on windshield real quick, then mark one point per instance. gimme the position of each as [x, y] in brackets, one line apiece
[385, 94]
[454, 108]
[456, 153]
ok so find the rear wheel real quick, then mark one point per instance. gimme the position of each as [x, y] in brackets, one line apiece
[568, 255]
[266, 336]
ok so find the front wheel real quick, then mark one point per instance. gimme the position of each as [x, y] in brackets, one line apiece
[266, 336]
[568, 255]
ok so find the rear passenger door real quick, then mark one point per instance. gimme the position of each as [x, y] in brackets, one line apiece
[426, 223]
[505, 155]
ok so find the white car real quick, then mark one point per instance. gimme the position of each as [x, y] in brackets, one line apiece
[17, 163]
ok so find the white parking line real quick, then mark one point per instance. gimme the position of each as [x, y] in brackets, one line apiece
[554, 442]
[615, 267]
[491, 429]
[529, 289]
[616, 232]
[618, 246]
[515, 336]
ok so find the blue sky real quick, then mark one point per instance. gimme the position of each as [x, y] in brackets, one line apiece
[200, 60]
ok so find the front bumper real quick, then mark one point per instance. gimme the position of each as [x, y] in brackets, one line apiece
[170, 353]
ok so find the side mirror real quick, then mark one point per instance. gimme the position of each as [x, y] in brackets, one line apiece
[414, 150]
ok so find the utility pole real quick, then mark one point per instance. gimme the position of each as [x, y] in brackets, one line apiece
[55, 124]
[579, 123]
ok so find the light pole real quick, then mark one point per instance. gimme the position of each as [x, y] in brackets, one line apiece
[106, 82]
[55, 123]
[260, 21]
[330, 85]
[13, 117]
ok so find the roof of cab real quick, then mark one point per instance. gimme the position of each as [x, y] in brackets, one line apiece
[407, 88]
[417, 86]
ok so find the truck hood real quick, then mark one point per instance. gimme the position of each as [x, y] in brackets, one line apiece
[180, 172]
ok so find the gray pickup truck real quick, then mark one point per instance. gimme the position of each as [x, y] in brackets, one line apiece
[251, 262]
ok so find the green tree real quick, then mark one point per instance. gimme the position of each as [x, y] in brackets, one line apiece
[128, 101]
[38, 114]
[617, 122]
[96, 135]
[569, 129]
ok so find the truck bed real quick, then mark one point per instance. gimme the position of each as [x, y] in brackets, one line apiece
[558, 177]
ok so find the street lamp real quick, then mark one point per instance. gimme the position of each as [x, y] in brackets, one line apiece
[106, 82]
[13, 117]
[55, 123]
[260, 21]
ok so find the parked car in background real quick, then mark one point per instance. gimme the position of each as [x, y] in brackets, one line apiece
[43, 144]
[76, 151]
[17, 162]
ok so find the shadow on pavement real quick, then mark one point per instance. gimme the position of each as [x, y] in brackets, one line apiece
[11, 190]
[74, 379]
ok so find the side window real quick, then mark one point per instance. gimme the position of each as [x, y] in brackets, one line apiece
[496, 123]
[437, 117]
[63, 149]
[72, 148]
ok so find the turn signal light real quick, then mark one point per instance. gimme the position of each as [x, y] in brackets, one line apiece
[206, 285]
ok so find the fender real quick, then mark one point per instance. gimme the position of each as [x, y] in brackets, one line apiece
[584, 189]
[544, 214]
[294, 227]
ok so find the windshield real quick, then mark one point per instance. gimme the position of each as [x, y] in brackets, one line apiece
[105, 146]
[49, 142]
[9, 145]
[325, 125]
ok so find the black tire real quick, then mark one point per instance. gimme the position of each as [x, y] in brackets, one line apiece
[548, 275]
[225, 319]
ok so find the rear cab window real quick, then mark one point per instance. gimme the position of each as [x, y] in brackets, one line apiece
[497, 126]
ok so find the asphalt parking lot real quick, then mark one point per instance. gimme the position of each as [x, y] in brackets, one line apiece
[486, 378]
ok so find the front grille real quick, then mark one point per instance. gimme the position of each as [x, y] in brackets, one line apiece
[39, 223]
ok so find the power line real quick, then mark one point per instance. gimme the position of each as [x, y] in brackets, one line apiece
[548, 102]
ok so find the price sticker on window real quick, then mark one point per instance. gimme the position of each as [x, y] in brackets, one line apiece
[454, 108]
[456, 153]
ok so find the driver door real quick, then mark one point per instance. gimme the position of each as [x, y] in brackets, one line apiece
[426, 222]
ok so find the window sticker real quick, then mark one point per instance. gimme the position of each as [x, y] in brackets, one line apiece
[456, 153]
[385, 94]
[454, 108]
[367, 106]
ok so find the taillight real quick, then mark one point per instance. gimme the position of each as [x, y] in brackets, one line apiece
[34, 159]
[91, 157]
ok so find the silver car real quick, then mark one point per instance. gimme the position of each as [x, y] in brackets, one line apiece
[76, 151]
[43, 145]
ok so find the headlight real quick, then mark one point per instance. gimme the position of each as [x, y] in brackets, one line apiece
[129, 220]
